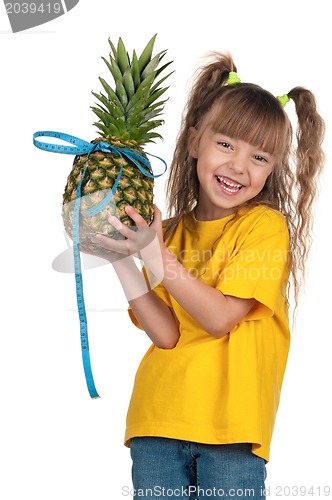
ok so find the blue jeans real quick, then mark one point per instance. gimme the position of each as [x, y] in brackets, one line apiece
[170, 469]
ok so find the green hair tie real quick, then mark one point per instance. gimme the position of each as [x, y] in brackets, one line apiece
[283, 99]
[233, 78]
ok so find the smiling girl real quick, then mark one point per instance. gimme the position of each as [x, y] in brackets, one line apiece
[206, 393]
[228, 169]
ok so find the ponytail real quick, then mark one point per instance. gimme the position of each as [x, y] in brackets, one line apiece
[309, 163]
[210, 81]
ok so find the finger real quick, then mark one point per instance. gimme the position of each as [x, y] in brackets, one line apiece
[157, 222]
[116, 223]
[137, 218]
[123, 229]
[136, 239]
[157, 213]
[120, 246]
[128, 231]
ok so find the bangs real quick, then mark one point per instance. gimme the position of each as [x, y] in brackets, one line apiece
[251, 114]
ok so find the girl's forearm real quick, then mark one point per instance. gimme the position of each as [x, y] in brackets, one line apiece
[156, 319]
[133, 283]
[216, 313]
[154, 316]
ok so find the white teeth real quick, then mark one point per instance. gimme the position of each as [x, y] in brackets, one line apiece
[232, 186]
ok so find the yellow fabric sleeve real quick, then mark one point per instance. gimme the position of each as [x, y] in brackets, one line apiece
[259, 270]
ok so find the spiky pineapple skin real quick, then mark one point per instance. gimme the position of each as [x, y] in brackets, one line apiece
[102, 169]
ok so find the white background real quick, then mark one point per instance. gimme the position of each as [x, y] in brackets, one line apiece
[55, 442]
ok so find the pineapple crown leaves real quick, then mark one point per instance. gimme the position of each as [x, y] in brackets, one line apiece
[131, 110]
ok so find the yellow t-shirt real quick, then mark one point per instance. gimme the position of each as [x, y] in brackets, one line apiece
[225, 390]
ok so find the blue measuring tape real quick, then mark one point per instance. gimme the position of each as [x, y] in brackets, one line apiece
[80, 147]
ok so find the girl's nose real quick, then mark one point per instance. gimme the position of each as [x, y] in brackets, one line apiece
[238, 164]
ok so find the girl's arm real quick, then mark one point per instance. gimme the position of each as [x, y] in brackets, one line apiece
[154, 316]
[216, 313]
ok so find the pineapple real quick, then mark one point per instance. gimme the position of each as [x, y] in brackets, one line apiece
[127, 117]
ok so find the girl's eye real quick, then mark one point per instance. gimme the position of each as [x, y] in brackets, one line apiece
[225, 144]
[260, 158]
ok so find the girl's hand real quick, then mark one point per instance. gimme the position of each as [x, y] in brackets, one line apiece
[96, 250]
[145, 241]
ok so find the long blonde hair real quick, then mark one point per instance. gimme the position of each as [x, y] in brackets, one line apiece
[248, 112]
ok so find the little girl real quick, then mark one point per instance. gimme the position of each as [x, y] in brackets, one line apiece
[213, 296]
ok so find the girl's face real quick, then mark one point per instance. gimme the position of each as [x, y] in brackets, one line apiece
[230, 172]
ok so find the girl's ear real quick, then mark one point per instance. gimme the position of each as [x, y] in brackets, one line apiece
[192, 142]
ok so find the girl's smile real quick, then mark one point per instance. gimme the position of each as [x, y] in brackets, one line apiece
[227, 185]
[230, 172]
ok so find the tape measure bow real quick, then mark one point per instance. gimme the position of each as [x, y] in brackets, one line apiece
[80, 147]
